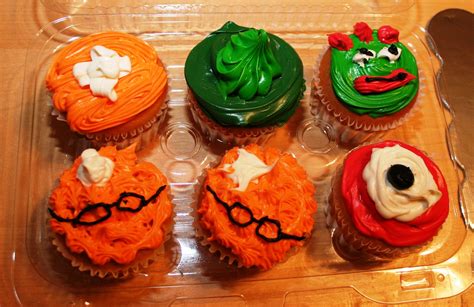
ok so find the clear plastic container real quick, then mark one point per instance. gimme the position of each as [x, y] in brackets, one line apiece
[188, 272]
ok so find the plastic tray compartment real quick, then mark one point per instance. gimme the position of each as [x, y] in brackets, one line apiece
[189, 273]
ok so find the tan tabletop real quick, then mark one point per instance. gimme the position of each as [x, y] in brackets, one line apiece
[19, 21]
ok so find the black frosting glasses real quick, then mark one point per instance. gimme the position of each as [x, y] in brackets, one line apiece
[96, 213]
[247, 218]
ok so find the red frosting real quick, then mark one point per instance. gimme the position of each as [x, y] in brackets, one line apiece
[382, 83]
[363, 32]
[388, 35]
[340, 41]
[362, 208]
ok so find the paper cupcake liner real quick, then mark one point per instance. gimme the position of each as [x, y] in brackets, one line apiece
[144, 257]
[349, 130]
[230, 135]
[225, 254]
[143, 135]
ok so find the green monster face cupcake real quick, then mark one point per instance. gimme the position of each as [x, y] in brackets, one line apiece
[243, 83]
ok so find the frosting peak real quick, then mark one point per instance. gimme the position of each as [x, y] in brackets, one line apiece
[94, 169]
[246, 168]
[246, 64]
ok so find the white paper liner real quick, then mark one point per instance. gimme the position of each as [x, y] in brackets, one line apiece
[215, 132]
[225, 254]
[349, 245]
[144, 257]
[350, 131]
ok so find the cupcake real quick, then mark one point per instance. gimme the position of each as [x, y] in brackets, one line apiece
[365, 83]
[388, 200]
[255, 207]
[110, 214]
[243, 84]
[110, 87]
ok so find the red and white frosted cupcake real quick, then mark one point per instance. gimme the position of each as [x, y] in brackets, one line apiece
[388, 200]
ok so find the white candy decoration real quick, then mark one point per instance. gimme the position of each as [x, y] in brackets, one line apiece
[360, 57]
[103, 72]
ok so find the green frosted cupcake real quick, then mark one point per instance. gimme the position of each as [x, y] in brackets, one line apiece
[243, 83]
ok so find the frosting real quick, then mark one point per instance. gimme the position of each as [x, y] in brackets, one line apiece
[208, 85]
[124, 233]
[344, 70]
[392, 53]
[143, 88]
[103, 72]
[285, 195]
[363, 56]
[248, 167]
[364, 213]
[94, 169]
[401, 204]
[246, 65]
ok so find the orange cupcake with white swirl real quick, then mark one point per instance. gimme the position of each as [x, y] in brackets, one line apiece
[110, 214]
[255, 207]
[110, 87]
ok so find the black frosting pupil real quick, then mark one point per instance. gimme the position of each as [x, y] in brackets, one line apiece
[400, 176]
[366, 51]
[393, 49]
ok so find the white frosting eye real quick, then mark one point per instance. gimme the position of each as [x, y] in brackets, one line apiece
[392, 53]
[103, 72]
[247, 167]
[363, 56]
[94, 169]
[408, 202]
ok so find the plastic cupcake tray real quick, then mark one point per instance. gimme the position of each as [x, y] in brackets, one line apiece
[188, 272]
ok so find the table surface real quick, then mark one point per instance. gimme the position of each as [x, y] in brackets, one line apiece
[20, 20]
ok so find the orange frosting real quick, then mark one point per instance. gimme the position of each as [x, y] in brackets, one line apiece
[284, 194]
[121, 236]
[146, 85]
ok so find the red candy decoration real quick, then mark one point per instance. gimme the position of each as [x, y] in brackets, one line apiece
[363, 32]
[388, 35]
[340, 41]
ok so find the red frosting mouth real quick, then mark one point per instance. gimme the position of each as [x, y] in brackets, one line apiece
[380, 84]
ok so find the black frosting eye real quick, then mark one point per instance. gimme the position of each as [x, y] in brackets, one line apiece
[400, 176]
[366, 51]
[393, 49]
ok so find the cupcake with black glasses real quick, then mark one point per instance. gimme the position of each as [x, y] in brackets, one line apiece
[110, 215]
[255, 207]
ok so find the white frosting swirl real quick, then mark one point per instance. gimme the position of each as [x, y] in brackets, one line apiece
[94, 169]
[402, 205]
[247, 167]
[103, 72]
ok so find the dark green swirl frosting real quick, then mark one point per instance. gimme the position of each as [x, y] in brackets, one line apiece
[344, 71]
[245, 77]
[246, 64]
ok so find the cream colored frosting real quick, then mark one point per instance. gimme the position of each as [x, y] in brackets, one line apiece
[103, 72]
[246, 168]
[360, 57]
[94, 169]
[402, 205]
[384, 53]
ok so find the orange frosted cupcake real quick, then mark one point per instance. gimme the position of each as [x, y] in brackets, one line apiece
[110, 213]
[110, 87]
[256, 206]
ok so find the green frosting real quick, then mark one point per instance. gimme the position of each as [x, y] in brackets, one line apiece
[246, 65]
[344, 71]
[245, 77]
